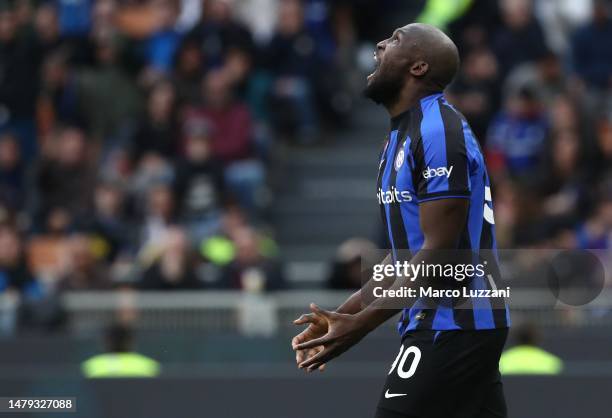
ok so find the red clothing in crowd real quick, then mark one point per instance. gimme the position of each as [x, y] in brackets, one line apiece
[230, 130]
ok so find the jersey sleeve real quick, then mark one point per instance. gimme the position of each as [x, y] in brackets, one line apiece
[441, 166]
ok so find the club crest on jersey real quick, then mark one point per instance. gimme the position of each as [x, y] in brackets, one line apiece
[399, 159]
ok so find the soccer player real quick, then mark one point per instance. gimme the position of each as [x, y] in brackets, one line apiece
[434, 195]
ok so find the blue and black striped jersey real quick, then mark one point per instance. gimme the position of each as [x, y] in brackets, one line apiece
[431, 153]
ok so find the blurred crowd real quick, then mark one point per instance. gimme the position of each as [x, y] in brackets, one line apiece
[137, 137]
[536, 86]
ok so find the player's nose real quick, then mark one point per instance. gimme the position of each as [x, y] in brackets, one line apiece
[381, 45]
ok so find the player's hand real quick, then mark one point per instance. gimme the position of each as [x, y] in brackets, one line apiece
[317, 327]
[343, 331]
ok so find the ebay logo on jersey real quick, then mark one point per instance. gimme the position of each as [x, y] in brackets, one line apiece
[437, 172]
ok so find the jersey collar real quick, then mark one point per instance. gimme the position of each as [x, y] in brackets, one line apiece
[396, 120]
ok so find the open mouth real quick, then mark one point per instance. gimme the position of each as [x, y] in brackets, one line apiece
[377, 60]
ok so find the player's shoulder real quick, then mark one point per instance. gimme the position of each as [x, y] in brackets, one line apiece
[441, 122]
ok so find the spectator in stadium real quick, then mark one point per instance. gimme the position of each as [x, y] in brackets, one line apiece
[517, 136]
[218, 31]
[476, 89]
[477, 27]
[81, 269]
[58, 101]
[46, 249]
[231, 137]
[596, 231]
[109, 226]
[229, 119]
[346, 269]
[152, 169]
[293, 60]
[20, 59]
[526, 357]
[188, 70]
[559, 19]
[108, 86]
[564, 115]
[220, 249]
[544, 75]
[564, 178]
[199, 184]
[251, 270]
[158, 217]
[508, 212]
[603, 156]
[162, 44]
[520, 38]
[251, 85]
[238, 67]
[174, 269]
[120, 360]
[65, 175]
[102, 18]
[592, 48]
[157, 130]
[46, 25]
[15, 274]
[75, 17]
[12, 173]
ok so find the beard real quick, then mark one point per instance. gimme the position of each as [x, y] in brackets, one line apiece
[383, 89]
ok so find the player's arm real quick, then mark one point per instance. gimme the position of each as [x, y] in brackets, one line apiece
[441, 222]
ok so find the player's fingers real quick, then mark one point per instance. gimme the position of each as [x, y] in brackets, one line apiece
[330, 352]
[300, 338]
[310, 361]
[300, 356]
[320, 362]
[314, 367]
[297, 339]
[320, 311]
[305, 319]
[313, 343]
[312, 352]
[322, 357]
[307, 355]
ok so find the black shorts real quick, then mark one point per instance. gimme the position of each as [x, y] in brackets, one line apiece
[446, 374]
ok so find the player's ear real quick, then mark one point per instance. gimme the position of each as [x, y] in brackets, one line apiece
[419, 68]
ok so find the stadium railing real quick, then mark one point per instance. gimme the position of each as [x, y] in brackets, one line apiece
[263, 313]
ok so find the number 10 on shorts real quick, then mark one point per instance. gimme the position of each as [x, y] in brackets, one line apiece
[402, 358]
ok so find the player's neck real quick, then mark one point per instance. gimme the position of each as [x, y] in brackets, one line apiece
[409, 97]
